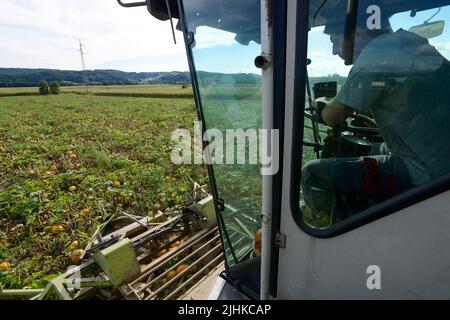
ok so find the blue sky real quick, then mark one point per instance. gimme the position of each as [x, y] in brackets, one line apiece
[45, 33]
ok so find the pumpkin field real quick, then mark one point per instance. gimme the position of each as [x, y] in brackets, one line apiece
[68, 162]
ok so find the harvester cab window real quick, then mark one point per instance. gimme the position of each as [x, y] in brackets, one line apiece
[378, 109]
[224, 39]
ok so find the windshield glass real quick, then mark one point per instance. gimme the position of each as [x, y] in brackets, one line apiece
[226, 37]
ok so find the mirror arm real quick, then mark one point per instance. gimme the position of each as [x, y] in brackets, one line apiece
[350, 31]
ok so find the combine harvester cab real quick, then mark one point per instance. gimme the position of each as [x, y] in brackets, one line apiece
[353, 204]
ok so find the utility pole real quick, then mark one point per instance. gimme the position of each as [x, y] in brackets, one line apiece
[83, 65]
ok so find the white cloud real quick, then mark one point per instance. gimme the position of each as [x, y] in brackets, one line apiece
[44, 34]
[207, 37]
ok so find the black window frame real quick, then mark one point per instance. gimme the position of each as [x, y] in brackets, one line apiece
[377, 212]
[279, 30]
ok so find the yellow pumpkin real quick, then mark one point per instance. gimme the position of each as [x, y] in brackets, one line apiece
[5, 266]
[117, 184]
[57, 229]
[74, 245]
[172, 274]
[181, 268]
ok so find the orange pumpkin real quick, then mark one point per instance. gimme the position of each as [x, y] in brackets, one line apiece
[258, 241]
[75, 257]
[161, 253]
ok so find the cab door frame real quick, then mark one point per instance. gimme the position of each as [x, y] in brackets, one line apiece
[406, 237]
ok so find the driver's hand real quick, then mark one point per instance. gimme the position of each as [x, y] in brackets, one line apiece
[319, 105]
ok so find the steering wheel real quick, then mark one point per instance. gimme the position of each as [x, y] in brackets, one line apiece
[362, 124]
[367, 126]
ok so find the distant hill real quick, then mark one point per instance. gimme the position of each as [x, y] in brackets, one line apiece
[16, 77]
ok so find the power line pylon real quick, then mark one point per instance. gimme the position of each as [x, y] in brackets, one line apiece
[83, 65]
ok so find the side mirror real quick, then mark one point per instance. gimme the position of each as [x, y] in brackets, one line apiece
[325, 90]
[429, 30]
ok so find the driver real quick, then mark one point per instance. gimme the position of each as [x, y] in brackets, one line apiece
[402, 81]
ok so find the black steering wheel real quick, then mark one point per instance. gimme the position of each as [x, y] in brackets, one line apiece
[361, 124]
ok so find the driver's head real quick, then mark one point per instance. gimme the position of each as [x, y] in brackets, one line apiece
[336, 33]
[334, 18]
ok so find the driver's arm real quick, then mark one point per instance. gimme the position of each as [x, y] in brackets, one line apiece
[335, 113]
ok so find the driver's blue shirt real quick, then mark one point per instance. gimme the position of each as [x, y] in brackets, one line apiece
[404, 83]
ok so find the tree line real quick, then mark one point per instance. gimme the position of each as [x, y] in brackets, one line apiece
[46, 88]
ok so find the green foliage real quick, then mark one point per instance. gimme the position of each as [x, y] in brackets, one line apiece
[131, 91]
[146, 95]
[43, 87]
[54, 87]
[19, 94]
